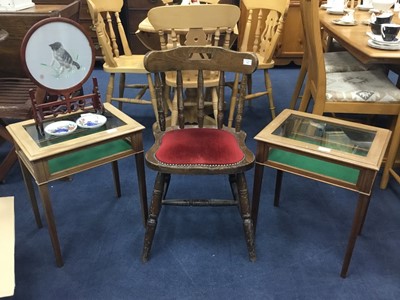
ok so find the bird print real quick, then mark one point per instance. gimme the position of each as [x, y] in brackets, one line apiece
[62, 57]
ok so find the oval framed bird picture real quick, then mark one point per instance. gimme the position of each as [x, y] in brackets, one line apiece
[57, 54]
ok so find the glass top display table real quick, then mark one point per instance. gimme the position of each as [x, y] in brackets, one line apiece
[51, 157]
[337, 152]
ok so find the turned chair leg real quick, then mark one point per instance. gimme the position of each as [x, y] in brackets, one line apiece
[244, 206]
[268, 87]
[155, 208]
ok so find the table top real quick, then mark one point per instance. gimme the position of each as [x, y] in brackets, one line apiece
[334, 139]
[37, 9]
[355, 39]
[37, 147]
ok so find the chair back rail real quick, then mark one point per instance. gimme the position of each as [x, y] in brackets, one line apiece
[263, 27]
[106, 17]
[201, 59]
[194, 25]
[178, 20]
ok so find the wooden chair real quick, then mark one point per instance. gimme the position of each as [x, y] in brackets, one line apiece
[340, 61]
[199, 149]
[358, 92]
[118, 57]
[264, 23]
[14, 105]
[194, 25]
[393, 153]
[336, 61]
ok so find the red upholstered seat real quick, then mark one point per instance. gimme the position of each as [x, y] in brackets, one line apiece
[199, 146]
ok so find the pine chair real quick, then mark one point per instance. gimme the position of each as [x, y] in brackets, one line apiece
[337, 61]
[389, 169]
[358, 92]
[264, 23]
[118, 57]
[199, 149]
[194, 25]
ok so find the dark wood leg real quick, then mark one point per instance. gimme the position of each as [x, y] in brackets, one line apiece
[359, 215]
[11, 157]
[233, 185]
[117, 182]
[166, 185]
[44, 194]
[258, 178]
[364, 214]
[155, 208]
[142, 185]
[31, 191]
[7, 164]
[278, 185]
[244, 205]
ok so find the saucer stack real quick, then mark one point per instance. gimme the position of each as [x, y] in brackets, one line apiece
[376, 41]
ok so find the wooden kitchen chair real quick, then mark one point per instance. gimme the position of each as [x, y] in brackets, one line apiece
[118, 57]
[14, 105]
[393, 153]
[338, 61]
[263, 28]
[358, 92]
[194, 25]
[199, 149]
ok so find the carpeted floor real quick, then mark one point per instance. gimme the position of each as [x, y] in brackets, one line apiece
[200, 253]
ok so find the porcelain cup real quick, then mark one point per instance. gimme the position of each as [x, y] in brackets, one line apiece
[375, 28]
[367, 3]
[349, 16]
[336, 5]
[384, 18]
[389, 31]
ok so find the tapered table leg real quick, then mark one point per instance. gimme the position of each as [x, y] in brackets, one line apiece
[30, 189]
[359, 214]
[44, 194]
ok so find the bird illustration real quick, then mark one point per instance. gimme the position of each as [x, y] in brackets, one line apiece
[63, 58]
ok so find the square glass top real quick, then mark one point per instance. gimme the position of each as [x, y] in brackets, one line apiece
[327, 135]
[47, 139]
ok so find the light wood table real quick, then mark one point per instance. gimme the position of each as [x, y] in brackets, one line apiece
[48, 158]
[341, 153]
[354, 38]
[150, 39]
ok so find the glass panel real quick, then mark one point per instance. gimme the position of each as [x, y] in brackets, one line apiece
[327, 135]
[47, 139]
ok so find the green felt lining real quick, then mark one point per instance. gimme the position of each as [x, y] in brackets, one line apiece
[87, 155]
[314, 165]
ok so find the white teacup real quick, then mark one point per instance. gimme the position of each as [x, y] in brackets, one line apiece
[349, 16]
[367, 3]
[336, 5]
